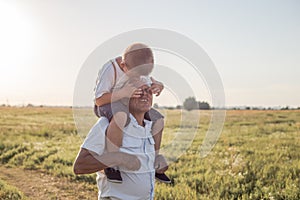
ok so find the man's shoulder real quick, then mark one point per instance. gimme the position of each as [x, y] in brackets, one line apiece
[95, 140]
[99, 127]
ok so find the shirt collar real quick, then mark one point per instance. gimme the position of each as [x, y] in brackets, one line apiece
[148, 124]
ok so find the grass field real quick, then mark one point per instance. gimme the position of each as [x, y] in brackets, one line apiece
[257, 155]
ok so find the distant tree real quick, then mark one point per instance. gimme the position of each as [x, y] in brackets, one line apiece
[170, 108]
[203, 105]
[190, 103]
[179, 107]
[285, 108]
[29, 105]
[155, 106]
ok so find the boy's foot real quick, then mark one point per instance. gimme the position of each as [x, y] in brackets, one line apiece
[162, 178]
[113, 175]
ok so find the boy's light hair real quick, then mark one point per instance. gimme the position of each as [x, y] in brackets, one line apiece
[137, 54]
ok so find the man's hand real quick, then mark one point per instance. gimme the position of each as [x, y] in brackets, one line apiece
[156, 87]
[131, 162]
[160, 164]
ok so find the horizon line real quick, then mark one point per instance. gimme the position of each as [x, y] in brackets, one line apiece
[243, 107]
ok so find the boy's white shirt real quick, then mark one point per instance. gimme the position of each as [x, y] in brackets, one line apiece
[106, 79]
[137, 140]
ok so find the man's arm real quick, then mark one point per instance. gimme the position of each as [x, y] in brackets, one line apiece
[88, 162]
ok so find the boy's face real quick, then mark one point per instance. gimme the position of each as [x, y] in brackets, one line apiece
[137, 71]
[142, 70]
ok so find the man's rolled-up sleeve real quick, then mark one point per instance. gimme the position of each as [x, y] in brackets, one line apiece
[95, 140]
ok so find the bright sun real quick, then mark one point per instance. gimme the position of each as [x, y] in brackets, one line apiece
[16, 44]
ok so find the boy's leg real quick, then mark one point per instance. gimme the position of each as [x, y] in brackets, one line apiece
[114, 137]
[118, 115]
[157, 129]
[114, 132]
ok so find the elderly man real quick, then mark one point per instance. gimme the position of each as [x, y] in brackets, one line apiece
[136, 159]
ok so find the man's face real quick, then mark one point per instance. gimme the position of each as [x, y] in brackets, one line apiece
[143, 103]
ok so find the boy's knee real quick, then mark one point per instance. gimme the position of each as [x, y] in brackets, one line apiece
[160, 122]
[158, 125]
[120, 118]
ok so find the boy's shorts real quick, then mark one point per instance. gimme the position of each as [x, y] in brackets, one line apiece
[109, 110]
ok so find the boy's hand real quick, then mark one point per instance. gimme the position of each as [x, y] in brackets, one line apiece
[130, 90]
[156, 87]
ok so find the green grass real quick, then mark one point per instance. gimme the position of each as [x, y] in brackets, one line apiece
[256, 157]
[40, 139]
[8, 192]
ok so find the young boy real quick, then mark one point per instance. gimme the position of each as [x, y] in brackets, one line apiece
[117, 82]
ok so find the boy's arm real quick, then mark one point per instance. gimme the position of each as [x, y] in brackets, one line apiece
[127, 91]
[156, 87]
[107, 98]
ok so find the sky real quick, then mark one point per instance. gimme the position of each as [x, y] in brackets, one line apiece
[254, 45]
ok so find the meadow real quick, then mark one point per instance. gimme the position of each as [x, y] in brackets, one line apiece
[256, 157]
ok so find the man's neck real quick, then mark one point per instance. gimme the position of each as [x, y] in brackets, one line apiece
[139, 118]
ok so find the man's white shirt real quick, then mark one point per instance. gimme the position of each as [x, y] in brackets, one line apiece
[137, 140]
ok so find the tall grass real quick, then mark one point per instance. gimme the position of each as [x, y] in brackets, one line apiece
[256, 157]
[9, 192]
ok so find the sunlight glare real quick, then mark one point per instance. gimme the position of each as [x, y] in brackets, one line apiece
[16, 49]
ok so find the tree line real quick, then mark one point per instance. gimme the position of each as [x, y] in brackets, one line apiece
[189, 103]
